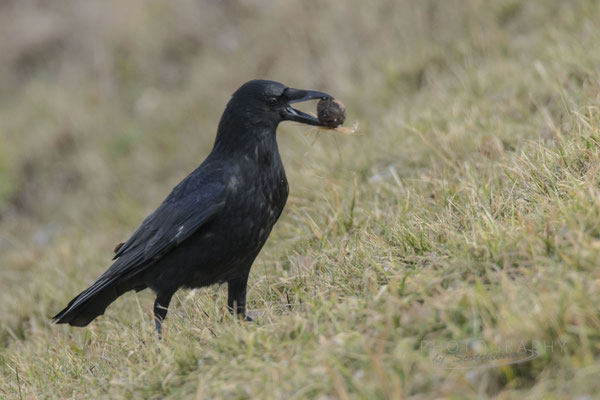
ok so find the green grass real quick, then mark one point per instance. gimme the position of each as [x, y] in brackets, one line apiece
[469, 207]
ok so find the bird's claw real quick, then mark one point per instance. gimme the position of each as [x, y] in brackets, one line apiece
[246, 317]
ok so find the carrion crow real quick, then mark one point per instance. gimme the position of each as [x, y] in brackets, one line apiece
[215, 222]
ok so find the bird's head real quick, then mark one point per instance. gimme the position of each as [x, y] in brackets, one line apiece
[268, 102]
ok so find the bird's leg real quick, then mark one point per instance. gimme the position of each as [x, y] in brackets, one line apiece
[161, 306]
[236, 297]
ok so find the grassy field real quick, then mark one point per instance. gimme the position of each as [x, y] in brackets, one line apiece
[468, 207]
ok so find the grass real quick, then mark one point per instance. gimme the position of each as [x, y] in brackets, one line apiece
[468, 208]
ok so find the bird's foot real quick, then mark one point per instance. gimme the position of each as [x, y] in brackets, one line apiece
[246, 317]
[241, 314]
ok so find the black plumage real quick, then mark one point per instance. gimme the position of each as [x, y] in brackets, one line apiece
[214, 223]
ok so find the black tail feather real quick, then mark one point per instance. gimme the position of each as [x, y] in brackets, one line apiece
[90, 304]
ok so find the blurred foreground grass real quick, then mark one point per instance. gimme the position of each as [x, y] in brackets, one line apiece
[469, 207]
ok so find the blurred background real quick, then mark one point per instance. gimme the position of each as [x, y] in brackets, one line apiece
[105, 106]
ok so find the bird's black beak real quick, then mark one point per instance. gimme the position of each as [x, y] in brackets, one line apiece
[297, 95]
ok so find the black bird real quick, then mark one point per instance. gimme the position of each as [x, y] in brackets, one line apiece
[214, 223]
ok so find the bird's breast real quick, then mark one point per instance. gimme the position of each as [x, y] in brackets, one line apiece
[257, 196]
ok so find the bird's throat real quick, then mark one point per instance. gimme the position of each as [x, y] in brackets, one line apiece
[258, 143]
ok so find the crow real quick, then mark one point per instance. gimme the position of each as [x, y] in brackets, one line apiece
[214, 223]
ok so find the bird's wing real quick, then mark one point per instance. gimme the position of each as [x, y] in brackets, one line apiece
[186, 209]
[172, 223]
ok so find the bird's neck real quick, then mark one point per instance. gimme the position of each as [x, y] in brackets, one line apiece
[261, 150]
[239, 137]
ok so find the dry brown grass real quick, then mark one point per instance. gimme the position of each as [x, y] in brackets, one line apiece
[468, 206]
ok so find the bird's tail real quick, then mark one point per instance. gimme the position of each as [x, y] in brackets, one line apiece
[91, 303]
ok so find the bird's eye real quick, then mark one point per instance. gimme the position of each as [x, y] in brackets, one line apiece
[272, 101]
